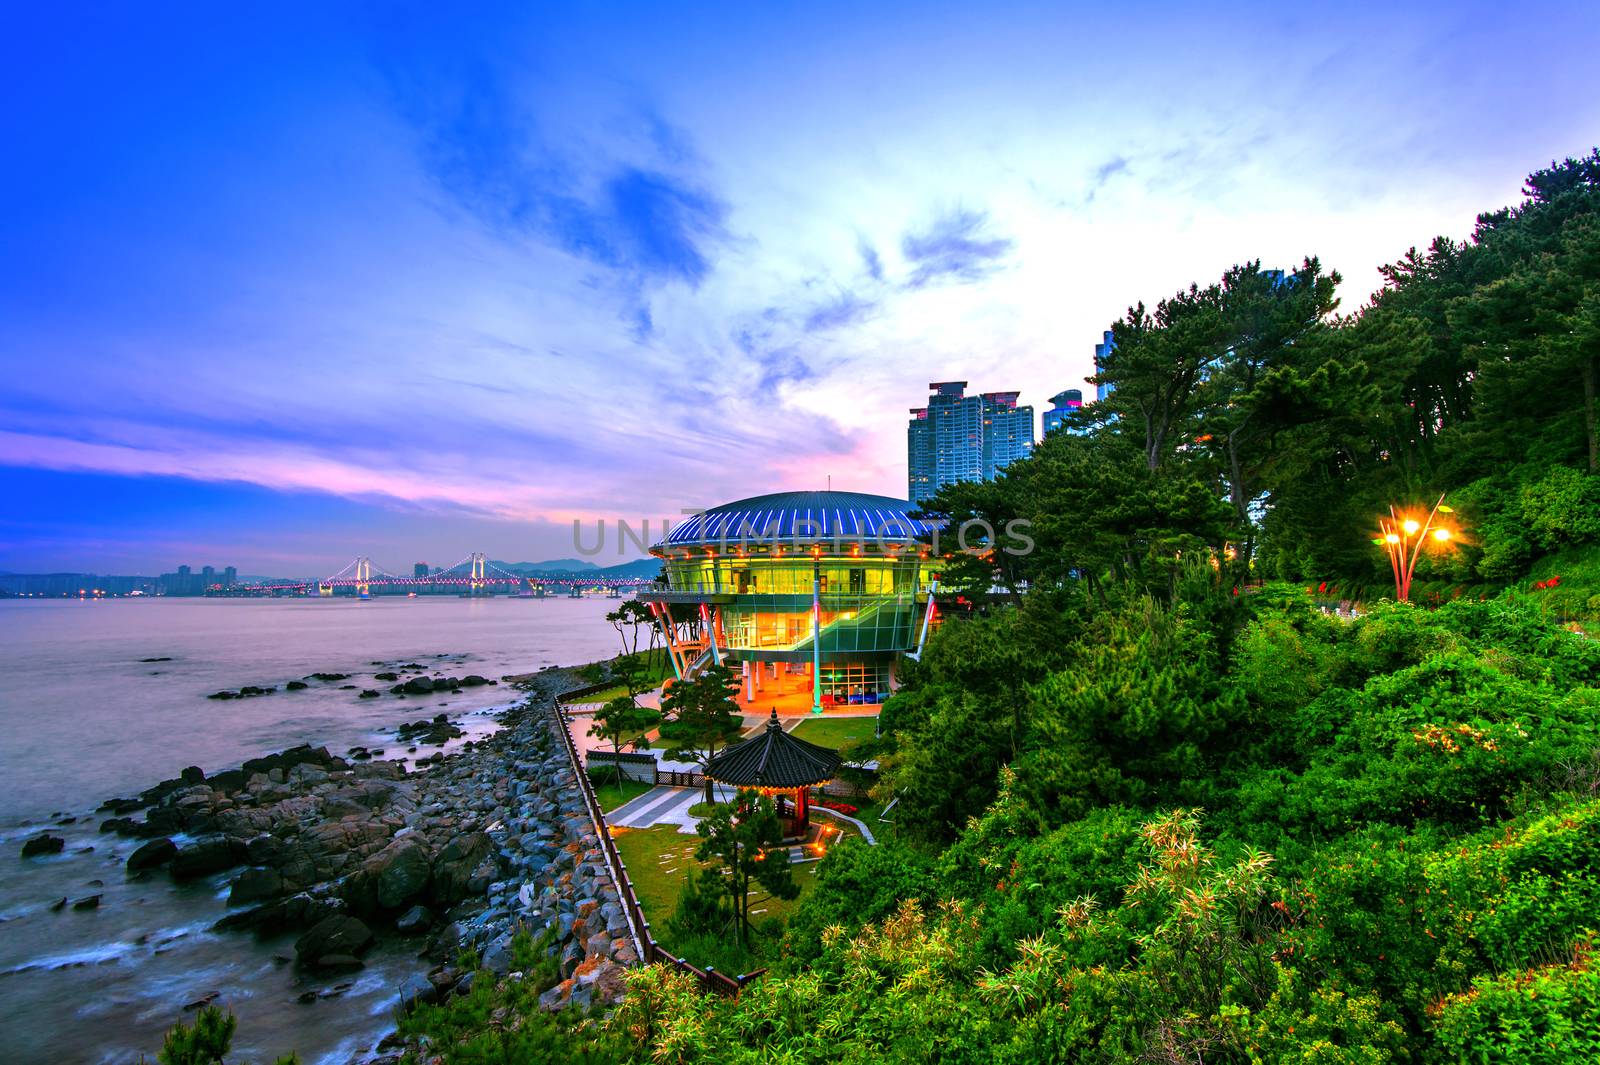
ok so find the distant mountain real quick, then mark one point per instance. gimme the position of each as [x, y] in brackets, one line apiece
[555, 565]
[639, 568]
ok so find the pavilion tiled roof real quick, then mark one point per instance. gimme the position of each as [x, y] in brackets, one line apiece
[773, 759]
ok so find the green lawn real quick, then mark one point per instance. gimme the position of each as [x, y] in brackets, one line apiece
[611, 796]
[659, 858]
[836, 732]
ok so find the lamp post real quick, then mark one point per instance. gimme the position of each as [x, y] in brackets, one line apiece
[1401, 536]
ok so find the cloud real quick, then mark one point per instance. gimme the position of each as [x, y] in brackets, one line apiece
[618, 205]
[1103, 173]
[847, 309]
[870, 258]
[955, 246]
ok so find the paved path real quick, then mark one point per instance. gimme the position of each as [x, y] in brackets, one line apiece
[663, 805]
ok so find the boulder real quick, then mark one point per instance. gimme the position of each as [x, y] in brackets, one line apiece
[339, 963]
[157, 852]
[296, 685]
[43, 843]
[402, 871]
[455, 865]
[332, 938]
[417, 686]
[90, 903]
[417, 919]
[255, 885]
[417, 990]
[203, 856]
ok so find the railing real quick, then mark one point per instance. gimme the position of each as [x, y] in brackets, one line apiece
[638, 927]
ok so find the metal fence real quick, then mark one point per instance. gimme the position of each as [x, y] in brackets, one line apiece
[638, 927]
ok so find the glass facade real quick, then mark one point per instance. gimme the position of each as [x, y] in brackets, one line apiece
[867, 604]
[817, 604]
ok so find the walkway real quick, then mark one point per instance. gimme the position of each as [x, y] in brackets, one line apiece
[663, 805]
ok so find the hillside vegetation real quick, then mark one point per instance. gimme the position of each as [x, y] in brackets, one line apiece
[1156, 802]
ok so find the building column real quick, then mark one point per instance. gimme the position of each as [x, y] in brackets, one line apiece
[816, 637]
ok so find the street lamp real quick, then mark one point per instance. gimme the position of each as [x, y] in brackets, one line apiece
[1402, 537]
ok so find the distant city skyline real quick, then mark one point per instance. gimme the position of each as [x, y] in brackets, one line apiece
[292, 284]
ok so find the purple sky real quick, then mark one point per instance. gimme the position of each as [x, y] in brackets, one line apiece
[283, 288]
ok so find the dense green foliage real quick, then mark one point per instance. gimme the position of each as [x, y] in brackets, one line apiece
[1157, 803]
[743, 841]
[500, 1022]
[1252, 426]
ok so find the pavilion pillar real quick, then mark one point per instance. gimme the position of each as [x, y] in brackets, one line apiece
[663, 616]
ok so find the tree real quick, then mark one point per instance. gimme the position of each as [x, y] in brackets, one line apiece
[626, 619]
[621, 720]
[745, 839]
[702, 715]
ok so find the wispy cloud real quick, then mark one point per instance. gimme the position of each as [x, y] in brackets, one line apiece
[847, 309]
[489, 153]
[956, 246]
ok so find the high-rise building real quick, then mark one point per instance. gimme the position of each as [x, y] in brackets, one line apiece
[208, 577]
[1062, 404]
[958, 437]
[1101, 350]
[419, 569]
[230, 576]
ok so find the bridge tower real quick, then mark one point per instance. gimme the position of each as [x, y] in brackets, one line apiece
[363, 577]
[480, 569]
[325, 588]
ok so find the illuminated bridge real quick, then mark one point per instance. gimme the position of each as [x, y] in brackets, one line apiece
[474, 574]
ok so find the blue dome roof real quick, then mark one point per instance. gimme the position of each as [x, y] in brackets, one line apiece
[801, 517]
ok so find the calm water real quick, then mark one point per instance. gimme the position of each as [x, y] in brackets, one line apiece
[82, 718]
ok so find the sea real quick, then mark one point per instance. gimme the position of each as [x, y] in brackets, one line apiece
[103, 698]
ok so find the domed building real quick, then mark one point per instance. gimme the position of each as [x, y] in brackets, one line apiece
[811, 597]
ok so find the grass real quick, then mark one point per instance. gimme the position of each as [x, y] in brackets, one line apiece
[610, 795]
[658, 860]
[836, 732]
[655, 671]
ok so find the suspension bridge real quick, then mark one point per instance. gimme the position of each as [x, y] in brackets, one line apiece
[473, 575]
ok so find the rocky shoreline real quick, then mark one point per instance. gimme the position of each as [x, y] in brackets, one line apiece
[456, 855]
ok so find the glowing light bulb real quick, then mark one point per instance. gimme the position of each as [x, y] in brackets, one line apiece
[1392, 538]
[1410, 526]
[1441, 535]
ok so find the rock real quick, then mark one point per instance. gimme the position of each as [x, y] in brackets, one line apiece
[386, 676]
[58, 905]
[472, 680]
[90, 903]
[417, 686]
[334, 937]
[416, 990]
[255, 885]
[296, 685]
[417, 919]
[556, 997]
[43, 843]
[454, 867]
[192, 775]
[156, 853]
[204, 855]
[497, 956]
[402, 870]
[329, 676]
[339, 963]
[369, 694]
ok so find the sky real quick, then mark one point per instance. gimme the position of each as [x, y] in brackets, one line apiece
[283, 285]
